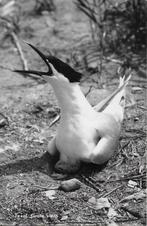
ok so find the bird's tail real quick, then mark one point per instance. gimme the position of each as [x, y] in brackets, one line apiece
[115, 103]
[120, 97]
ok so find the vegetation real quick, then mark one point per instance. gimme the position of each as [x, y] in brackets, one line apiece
[118, 27]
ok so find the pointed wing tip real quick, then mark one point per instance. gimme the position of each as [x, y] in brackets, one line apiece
[125, 79]
[129, 76]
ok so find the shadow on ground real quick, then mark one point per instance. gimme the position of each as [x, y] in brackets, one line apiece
[45, 164]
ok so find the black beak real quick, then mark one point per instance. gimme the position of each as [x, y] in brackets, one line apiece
[44, 58]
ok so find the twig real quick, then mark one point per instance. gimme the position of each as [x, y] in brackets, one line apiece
[18, 46]
[132, 212]
[57, 118]
[11, 27]
[89, 90]
[143, 108]
[46, 188]
[6, 118]
[90, 183]
[128, 178]
[110, 192]
[133, 136]
[123, 147]
[125, 220]
[113, 60]
[133, 177]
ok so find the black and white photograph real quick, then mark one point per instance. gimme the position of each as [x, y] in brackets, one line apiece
[73, 112]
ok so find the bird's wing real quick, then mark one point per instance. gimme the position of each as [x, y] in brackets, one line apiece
[52, 149]
[108, 131]
[104, 150]
[104, 103]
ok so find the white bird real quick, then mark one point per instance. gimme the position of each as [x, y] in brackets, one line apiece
[85, 133]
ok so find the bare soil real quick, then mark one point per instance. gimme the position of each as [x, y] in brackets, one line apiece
[27, 107]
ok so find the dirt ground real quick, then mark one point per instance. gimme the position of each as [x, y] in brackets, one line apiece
[29, 193]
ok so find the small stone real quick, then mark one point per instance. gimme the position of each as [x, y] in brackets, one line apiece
[132, 184]
[50, 194]
[2, 150]
[136, 119]
[136, 88]
[53, 217]
[15, 206]
[64, 218]
[45, 12]
[70, 185]
[93, 64]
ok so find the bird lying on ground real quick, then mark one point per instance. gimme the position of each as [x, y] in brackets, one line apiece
[85, 133]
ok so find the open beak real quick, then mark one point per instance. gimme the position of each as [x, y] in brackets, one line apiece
[44, 58]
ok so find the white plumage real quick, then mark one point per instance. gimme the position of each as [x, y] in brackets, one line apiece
[86, 133]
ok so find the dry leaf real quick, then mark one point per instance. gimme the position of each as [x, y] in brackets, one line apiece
[112, 213]
[102, 203]
[99, 203]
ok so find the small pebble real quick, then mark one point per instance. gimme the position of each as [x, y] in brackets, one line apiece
[70, 185]
[50, 194]
[132, 183]
[136, 88]
[64, 218]
[53, 217]
[136, 119]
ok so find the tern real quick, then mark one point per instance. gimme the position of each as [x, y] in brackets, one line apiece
[85, 133]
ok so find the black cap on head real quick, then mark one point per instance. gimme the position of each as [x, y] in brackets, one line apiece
[60, 66]
[65, 69]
